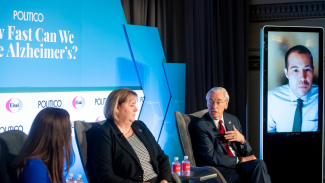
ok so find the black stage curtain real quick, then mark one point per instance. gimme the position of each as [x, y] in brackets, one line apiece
[210, 36]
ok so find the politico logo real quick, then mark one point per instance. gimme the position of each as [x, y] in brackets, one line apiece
[49, 103]
[8, 128]
[14, 105]
[100, 101]
[78, 102]
[28, 16]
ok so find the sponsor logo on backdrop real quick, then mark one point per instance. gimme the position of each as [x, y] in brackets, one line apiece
[100, 118]
[100, 101]
[78, 102]
[14, 105]
[49, 103]
[8, 128]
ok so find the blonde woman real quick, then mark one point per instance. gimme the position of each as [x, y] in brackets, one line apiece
[124, 150]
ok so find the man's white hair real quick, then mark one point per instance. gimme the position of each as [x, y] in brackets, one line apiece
[215, 89]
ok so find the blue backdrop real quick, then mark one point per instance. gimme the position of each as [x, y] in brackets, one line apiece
[87, 46]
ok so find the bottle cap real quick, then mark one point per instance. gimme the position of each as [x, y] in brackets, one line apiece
[70, 174]
[78, 176]
[176, 159]
[185, 157]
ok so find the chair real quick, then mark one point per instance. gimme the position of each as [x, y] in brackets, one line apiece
[183, 120]
[10, 145]
[83, 133]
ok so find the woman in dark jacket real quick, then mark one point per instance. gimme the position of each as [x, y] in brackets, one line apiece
[124, 150]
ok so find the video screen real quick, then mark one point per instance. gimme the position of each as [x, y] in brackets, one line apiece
[292, 81]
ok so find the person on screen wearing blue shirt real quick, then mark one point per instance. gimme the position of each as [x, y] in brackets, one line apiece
[294, 107]
[47, 151]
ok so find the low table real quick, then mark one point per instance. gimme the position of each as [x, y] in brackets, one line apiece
[197, 174]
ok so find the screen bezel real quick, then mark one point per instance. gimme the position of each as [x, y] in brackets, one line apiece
[318, 30]
[284, 142]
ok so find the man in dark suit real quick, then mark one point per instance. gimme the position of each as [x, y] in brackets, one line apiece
[217, 141]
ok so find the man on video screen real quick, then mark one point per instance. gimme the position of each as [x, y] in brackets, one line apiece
[294, 107]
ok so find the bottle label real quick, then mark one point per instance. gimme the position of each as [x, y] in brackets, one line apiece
[176, 168]
[186, 167]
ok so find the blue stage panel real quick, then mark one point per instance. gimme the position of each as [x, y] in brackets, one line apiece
[148, 54]
[169, 138]
[106, 56]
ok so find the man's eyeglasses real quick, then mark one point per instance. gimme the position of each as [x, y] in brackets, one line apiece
[211, 102]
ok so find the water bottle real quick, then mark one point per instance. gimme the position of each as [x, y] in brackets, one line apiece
[186, 165]
[79, 179]
[70, 178]
[176, 166]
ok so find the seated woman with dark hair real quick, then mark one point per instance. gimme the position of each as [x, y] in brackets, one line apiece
[124, 150]
[47, 152]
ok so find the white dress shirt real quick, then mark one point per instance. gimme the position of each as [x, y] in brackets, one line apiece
[282, 104]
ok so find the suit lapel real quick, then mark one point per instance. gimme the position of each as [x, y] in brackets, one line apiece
[228, 124]
[122, 140]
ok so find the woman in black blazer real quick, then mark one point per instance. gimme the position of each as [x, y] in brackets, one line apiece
[124, 150]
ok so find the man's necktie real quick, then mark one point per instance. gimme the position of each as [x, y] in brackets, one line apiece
[297, 121]
[225, 142]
